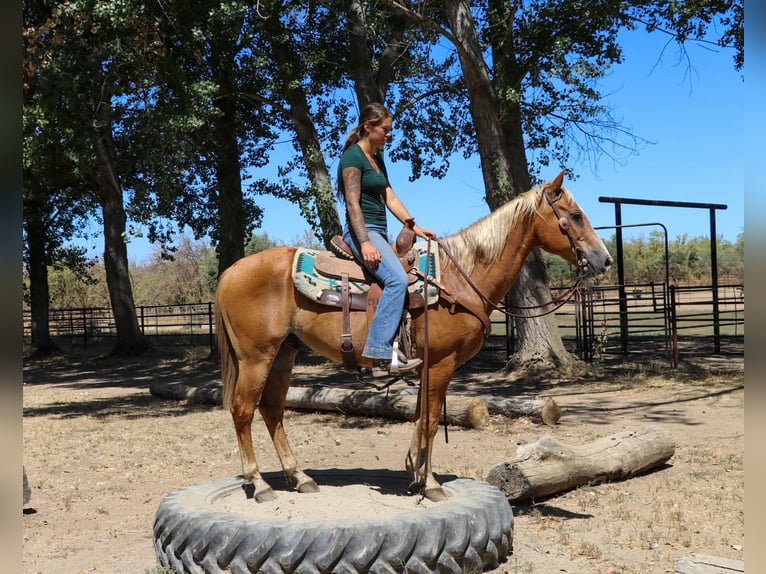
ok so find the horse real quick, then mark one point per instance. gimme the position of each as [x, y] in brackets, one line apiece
[262, 321]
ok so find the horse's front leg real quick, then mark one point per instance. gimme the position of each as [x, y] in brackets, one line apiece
[418, 464]
[418, 461]
[272, 409]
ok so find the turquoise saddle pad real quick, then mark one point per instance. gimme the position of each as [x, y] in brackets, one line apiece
[309, 281]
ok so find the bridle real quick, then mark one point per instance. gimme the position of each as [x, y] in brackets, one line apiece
[580, 259]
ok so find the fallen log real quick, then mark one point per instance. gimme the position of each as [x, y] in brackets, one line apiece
[537, 410]
[548, 466]
[463, 411]
[210, 394]
[702, 564]
[468, 412]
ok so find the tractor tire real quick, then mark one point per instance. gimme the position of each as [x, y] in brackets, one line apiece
[469, 532]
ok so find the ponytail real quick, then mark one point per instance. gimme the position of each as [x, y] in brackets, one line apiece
[353, 137]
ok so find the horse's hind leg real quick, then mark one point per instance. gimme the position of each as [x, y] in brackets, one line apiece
[272, 409]
[251, 378]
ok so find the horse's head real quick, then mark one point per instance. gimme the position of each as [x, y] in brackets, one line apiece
[568, 233]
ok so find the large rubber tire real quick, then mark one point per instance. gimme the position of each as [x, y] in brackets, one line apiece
[469, 532]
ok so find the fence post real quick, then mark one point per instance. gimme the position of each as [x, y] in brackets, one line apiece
[84, 328]
[673, 325]
[211, 340]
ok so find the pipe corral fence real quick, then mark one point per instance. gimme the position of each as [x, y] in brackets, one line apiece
[678, 315]
[636, 319]
[599, 320]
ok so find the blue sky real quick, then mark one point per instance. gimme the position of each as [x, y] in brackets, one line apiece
[692, 112]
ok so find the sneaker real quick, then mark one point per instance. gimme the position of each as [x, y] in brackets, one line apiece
[384, 367]
[405, 364]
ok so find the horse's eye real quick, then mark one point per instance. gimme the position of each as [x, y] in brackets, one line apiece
[576, 216]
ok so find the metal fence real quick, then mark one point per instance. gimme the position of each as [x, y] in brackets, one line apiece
[626, 319]
[189, 324]
[598, 320]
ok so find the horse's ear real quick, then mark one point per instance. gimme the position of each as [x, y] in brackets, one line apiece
[559, 180]
[553, 189]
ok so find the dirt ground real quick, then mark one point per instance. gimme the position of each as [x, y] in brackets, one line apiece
[101, 453]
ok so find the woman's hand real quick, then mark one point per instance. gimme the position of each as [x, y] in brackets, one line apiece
[370, 254]
[423, 232]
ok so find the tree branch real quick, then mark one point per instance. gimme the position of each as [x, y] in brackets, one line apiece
[428, 23]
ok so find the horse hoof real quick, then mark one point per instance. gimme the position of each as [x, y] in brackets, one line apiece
[307, 487]
[435, 494]
[265, 495]
[416, 487]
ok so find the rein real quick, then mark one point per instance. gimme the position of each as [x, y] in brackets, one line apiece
[424, 391]
[559, 301]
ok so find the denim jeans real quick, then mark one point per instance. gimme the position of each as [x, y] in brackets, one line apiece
[388, 314]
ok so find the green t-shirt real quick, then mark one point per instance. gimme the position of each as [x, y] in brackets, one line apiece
[373, 184]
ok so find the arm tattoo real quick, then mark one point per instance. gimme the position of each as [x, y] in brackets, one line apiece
[352, 183]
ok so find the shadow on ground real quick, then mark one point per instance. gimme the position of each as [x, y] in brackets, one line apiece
[702, 374]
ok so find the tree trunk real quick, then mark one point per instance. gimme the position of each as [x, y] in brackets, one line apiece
[485, 112]
[209, 394]
[37, 267]
[367, 90]
[371, 84]
[539, 340]
[308, 139]
[461, 411]
[130, 339]
[537, 410]
[231, 219]
[500, 139]
[547, 466]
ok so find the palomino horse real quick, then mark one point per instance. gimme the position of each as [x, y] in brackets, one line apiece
[260, 314]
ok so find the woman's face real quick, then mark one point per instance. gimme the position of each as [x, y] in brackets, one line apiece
[379, 134]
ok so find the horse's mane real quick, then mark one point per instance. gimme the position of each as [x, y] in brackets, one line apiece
[483, 241]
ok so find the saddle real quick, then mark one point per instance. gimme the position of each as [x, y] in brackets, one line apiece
[342, 261]
[335, 278]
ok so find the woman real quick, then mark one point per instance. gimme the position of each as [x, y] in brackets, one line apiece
[364, 187]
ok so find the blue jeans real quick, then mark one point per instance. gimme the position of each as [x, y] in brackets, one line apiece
[388, 314]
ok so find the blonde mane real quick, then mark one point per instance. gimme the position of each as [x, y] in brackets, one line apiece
[483, 241]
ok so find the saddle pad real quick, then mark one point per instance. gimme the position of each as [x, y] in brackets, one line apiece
[309, 281]
[330, 265]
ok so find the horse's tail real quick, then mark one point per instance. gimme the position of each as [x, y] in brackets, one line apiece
[228, 355]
